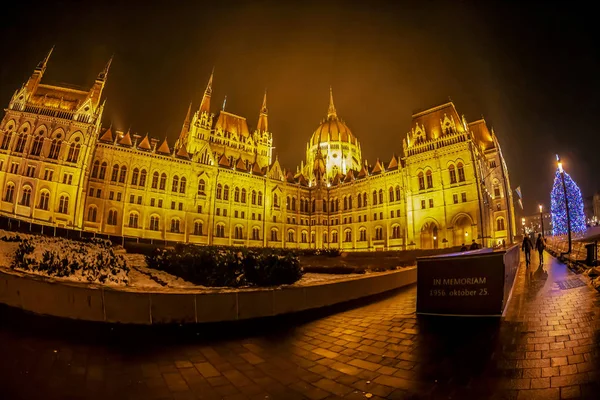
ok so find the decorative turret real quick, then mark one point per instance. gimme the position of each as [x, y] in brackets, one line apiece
[181, 142]
[38, 73]
[205, 104]
[263, 124]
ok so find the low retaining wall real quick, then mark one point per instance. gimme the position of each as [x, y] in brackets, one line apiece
[98, 303]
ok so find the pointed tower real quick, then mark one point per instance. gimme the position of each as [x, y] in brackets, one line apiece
[181, 142]
[38, 73]
[96, 90]
[205, 104]
[263, 123]
[331, 113]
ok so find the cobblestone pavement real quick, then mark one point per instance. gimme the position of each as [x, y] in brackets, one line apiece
[546, 347]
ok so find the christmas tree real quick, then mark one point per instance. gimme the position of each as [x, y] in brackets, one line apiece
[558, 206]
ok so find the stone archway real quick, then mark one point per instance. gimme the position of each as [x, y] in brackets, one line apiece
[463, 230]
[430, 236]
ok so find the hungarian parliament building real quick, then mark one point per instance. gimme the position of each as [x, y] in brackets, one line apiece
[221, 184]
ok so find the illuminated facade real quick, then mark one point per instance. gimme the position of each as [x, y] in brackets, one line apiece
[221, 184]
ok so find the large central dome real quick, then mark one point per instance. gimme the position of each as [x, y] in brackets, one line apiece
[332, 129]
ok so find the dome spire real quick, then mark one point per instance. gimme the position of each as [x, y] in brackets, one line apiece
[331, 111]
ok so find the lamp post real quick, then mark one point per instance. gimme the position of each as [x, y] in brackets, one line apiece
[562, 178]
[542, 218]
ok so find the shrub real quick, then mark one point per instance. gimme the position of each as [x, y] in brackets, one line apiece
[226, 267]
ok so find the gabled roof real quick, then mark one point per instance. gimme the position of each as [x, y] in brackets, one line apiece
[107, 136]
[482, 134]
[145, 144]
[337, 179]
[224, 161]
[182, 153]
[431, 120]
[349, 176]
[290, 177]
[393, 164]
[126, 140]
[256, 169]
[240, 165]
[232, 123]
[301, 180]
[164, 148]
[378, 168]
[362, 174]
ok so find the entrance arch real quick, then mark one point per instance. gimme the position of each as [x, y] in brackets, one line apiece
[463, 230]
[429, 236]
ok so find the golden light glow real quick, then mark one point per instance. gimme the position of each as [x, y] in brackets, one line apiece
[541, 208]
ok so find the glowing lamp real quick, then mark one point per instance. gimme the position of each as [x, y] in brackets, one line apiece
[466, 233]
[541, 207]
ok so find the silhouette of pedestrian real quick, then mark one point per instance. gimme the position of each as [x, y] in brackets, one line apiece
[526, 247]
[540, 245]
[463, 248]
[474, 245]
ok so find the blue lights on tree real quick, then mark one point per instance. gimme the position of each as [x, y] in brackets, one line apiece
[558, 207]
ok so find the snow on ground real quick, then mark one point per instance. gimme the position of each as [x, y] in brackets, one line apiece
[140, 277]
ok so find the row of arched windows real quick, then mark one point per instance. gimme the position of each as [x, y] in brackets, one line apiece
[239, 195]
[453, 172]
[44, 201]
[38, 143]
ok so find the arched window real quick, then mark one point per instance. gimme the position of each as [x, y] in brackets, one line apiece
[350, 202]
[112, 217]
[198, 228]
[36, 147]
[255, 233]
[304, 237]
[332, 205]
[219, 191]
[155, 180]
[345, 203]
[380, 196]
[496, 190]
[182, 184]
[363, 235]
[175, 225]
[391, 194]
[359, 201]
[163, 181]
[134, 176]
[461, 172]
[396, 232]
[175, 185]
[63, 204]
[26, 197]
[54, 149]
[397, 193]
[20, 146]
[201, 186]
[154, 223]
[123, 174]
[337, 205]
[314, 205]
[103, 168]
[73, 154]
[95, 168]
[260, 198]
[291, 236]
[133, 220]
[238, 233]
[324, 237]
[92, 213]
[44, 203]
[452, 172]
[324, 205]
[421, 181]
[220, 230]
[273, 235]
[143, 178]
[288, 204]
[6, 140]
[364, 199]
[244, 196]
[379, 233]
[500, 224]
[374, 197]
[226, 193]
[334, 237]
[253, 198]
[275, 200]
[115, 173]
[236, 195]
[347, 235]
[429, 179]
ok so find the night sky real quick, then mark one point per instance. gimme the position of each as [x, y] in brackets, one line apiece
[532, 71]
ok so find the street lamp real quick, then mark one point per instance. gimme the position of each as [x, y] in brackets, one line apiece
[523, 223]
[562, 177]
[542, 219]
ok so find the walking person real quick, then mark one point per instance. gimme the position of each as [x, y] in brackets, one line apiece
[526, 247]
[540, 245]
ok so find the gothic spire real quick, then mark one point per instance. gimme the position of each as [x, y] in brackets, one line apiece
[263, 123]
[104, 74]
[38, 72]
[205, 105]
[186, 127]
[331, 113]
[42, 64]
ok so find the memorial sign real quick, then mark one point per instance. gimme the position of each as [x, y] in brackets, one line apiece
[474, 283]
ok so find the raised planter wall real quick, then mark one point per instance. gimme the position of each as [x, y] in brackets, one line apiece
[46, 296]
